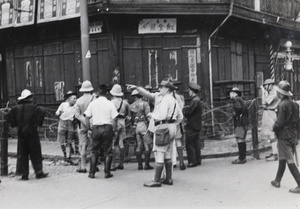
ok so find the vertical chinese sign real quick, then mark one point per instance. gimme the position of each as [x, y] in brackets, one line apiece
[192, 65]
[48, 10]
[25, 10]
[6, 13]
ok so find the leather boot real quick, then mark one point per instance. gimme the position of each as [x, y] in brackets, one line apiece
[295, 172]
[107, 165]
[93, 165]
[280, 172]
[122, 155]
[168, 180]
[156, 181]
[243, 150]
[147, 160]
[139, 160]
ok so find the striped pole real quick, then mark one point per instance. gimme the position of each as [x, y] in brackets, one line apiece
[272, 62]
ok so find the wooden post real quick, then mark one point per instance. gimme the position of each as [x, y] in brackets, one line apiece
[253, 114]
[3, 144]
[85, 39]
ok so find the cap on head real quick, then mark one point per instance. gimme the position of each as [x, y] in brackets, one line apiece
[134, 92]
[69, 93]
[194, 86]
[236, 90]
[116, 90]
[148, 87]
[268, 81]
[167, 82]
[86, 86]
[284, 88]
[25, 94]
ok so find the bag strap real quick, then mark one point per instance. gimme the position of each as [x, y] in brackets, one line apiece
[173, 112]
[120, 106]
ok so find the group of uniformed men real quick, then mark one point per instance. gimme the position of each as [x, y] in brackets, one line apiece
[102, 127]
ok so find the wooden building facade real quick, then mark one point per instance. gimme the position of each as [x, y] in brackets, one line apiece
[218, 44]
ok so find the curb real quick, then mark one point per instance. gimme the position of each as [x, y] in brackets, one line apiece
[133, 159]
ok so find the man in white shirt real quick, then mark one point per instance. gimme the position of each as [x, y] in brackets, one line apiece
[66, 130]
[103, 124]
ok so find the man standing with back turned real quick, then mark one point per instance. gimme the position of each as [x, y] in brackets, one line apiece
[27, 117]
[104, 113]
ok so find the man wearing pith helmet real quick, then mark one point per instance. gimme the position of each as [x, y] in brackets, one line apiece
[287, 132]
[123, 109]
[193, 114]
[27, 117]
[270, 101]
[84, 139]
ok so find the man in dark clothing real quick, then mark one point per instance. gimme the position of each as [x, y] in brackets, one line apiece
[287, 132]
[193, 114]
[27, 117]
[240, 119]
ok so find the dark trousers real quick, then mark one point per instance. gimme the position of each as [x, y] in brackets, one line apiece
[193, 146]
[30, 146]
[102, 136]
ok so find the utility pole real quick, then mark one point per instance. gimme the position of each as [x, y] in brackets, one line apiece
[85, 41]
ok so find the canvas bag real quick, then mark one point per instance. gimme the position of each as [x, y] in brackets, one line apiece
[162, 136]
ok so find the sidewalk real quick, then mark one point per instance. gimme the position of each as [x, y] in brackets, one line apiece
[212, 148]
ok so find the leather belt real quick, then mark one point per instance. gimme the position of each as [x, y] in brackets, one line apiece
[163, 122]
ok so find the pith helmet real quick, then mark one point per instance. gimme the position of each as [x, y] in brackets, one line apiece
[236, 90]
[86, 86]
[284, 88]
[25, 94]
[268, 81]
[116, 90]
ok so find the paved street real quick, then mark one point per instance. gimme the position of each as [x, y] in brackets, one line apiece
[215, 184]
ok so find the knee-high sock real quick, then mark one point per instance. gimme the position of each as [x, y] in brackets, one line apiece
[168, 164]
[295, 172]
[158, 170]
[180, 154]
[122, 155]
[242, 150]
[280, 171]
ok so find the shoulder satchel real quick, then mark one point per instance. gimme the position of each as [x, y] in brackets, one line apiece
[162, 136]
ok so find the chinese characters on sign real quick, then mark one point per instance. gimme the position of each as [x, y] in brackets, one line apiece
[15, 13]
[192, 65]
[48, 10]
[168, 25]
[70, 8]
[6, 14]
[25, 12]
[59, 87]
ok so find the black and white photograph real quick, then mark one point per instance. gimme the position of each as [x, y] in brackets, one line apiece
[125, 104]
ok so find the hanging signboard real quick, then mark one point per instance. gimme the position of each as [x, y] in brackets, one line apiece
[159, 25]
[69, 9]
[25, 10]
[192, 65]
[6, 14]
[48, 10]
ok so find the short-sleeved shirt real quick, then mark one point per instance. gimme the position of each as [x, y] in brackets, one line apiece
[102, 110]
[68, 111]
[81, 105]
